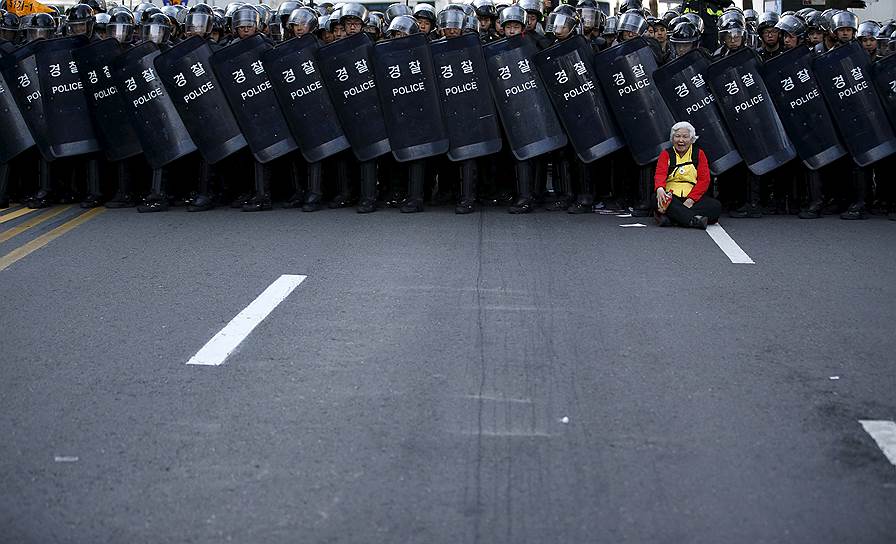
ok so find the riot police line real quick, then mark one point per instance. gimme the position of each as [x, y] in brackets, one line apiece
[473, 99]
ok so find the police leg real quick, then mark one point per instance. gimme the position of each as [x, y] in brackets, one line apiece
[204, 200]
[540, 182]
[752, 208]
[124, 195]
[156, 201]
[262, 199]
[562, 181]
[94, 196]
[816, 199]
[4, 185]
[525, 181]
[585, 192]
[298, 195]
[368, 187]
[315, 195]
[343, 198]
[43, 198]
[416, 177]
[859, 180]
[645, 191]
[467, 202]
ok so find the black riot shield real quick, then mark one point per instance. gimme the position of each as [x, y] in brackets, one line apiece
[567, 71]
[626, 75]
[844, 75]
[683, 87]
[410, 100]
[20, 70]
[15, 136]
[468, 110]
[748, 111]
[117, 136]
[529, 120]
[803, 112]
[187, 75]
[252, 99]
[65, 106]
[298, 84]
[884, 76]
[348, 75]
[162, 134]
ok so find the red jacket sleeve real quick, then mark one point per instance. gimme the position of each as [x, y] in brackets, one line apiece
[662, 171]
[702, 178]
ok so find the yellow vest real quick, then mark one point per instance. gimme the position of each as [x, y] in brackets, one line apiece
[681, 179]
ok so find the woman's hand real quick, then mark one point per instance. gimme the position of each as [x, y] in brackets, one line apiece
[688, 202]
[662, 199]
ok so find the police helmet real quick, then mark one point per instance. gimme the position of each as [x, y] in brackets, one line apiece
[631, 21]
[403, 24]
[485, 8]
[734, 27]
[334, 20]
[374, 25]
[397, 9]
[40, 26]
[120, 26]
[471, 24]
[793, 25]
[99, 6]
[695, 20]
[535, 7]
[610, 26]
[304, 18]
[684, 32]
[246, 16]
[353, 10]
[886, 30]
[157, 29]
[285, 10]
[79, 20]
[425, 11]
[558, 20]
[591, 17]
[630, 5]
[735, 16]
[868, 29]
[200, 19]
[9, 26]
[510, 14]
[100, 22]
[845, 19]
[452, 18]
[767, 20]
[751, 15]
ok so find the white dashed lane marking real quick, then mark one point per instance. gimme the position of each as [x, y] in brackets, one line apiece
[222, 344]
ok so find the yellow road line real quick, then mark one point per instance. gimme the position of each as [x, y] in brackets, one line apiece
[11, 208]
[33, 222]
[21, 252]
[16, 214]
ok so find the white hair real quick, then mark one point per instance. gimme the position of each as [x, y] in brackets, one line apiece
[692, 132]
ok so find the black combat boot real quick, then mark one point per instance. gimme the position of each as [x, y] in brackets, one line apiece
[368, 187]
[467, 203]
[816, 201]
[157, 200]
[314, 196]
[585, 200]
[416, 173]
[344, 198]
[262, 199]
[298, 195]
[43, 198]
[524, 183]
[94, 196]
[856, 210]
[752, 208]
[204, 199]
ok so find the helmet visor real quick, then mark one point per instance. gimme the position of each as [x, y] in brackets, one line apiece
[32, 34]
[198, 23]
[76, 28]
[154, 33]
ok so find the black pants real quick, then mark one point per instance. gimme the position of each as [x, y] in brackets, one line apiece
[680, 214]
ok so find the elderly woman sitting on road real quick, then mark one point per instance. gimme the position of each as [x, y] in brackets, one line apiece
[682, 178]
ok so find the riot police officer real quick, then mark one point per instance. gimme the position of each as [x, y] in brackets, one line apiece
[425, 15]
[867, 35]
[732, 34]
[770, 36]
[487, 15]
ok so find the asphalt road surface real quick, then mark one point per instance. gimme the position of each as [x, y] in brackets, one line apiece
[438, 378]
